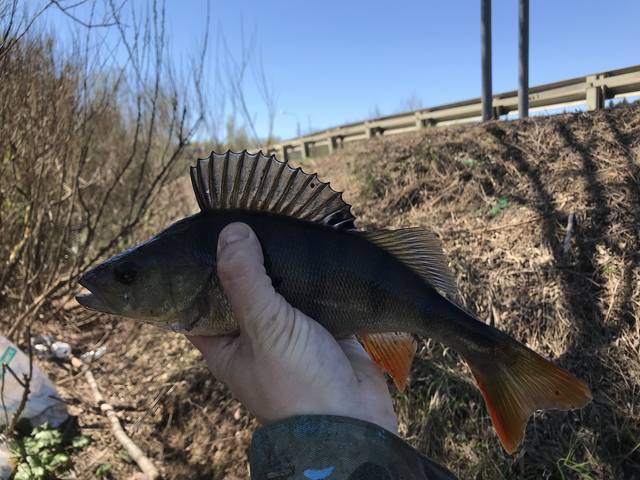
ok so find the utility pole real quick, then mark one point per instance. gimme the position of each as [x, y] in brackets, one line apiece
[485, 38]
[523, 73]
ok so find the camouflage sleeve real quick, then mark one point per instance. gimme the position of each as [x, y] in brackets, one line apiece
[320, 447]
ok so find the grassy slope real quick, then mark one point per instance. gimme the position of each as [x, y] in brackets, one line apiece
[579, 307]
[499, 195]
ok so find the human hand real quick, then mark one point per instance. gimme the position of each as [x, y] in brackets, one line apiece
[283, 363]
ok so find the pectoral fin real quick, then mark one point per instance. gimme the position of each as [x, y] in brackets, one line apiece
[393, 352]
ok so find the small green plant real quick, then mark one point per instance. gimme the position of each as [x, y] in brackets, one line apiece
[43, 455]
[570, 467]
[124, 456]
[608, 269]
[500, 205]
[103, 470]
[470, 162]
[80, 442]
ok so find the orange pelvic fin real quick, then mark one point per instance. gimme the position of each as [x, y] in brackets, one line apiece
[518, 383]
[393, 352]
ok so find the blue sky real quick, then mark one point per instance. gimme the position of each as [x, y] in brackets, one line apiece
[337, 61]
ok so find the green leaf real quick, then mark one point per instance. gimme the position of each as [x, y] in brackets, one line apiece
[470, 162]
[103, 470]
[23, 472]
[500, 205]
[80, 442]
[46, 457]
[47, 438]
[59, 459]
[124, 455]
[37, 472]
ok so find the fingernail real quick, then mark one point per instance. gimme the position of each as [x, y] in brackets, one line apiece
[233, 233]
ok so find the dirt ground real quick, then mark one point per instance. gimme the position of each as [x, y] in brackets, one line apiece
[500, 196]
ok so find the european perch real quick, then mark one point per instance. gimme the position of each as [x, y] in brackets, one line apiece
[383, 286]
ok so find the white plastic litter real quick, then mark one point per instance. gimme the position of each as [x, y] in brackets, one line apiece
[61, 350]
[7, 464]
[43, 404]
[92, 355]
[41, 346]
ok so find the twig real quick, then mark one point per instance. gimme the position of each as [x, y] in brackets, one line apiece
[147, 467]
[151, 408]
[566, 244]
[76, 19]
[613, 301]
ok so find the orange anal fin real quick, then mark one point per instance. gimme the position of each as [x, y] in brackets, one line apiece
[519, 382]
[393, 352]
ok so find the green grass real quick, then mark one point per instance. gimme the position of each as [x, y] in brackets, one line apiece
[569, 467]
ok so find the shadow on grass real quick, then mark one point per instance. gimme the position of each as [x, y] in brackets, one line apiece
[583, 281]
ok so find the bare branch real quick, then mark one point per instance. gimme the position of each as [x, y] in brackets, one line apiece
[66, 11]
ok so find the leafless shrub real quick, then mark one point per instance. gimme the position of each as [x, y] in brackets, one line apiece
[87, 145]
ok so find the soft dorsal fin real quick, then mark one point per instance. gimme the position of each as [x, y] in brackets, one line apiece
[258, 182]
[421, 251]
[392, 352]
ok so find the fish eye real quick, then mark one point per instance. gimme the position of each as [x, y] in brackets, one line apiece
[125, 273]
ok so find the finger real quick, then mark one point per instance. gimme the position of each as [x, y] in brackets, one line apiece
[217, 352]
[255, 303]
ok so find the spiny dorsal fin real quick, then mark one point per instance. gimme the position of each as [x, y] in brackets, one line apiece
[421, 251]
[258, 182]
[392, 352]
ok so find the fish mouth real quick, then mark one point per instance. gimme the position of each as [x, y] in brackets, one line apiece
[90, 300]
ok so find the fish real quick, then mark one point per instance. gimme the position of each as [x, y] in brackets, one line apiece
[387, 287]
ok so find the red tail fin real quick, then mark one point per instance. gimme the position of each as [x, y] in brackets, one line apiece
[517, 383]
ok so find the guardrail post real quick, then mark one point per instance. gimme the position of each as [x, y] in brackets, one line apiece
[333, 145]
[485, 42]
[373, 131]
[595, 95]
[304, 150]
[500, 110]
[369, 130]
[523, 70]
[284, 153]
[420, 123]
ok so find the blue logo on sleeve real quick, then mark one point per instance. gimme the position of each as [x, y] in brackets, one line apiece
[318, 474]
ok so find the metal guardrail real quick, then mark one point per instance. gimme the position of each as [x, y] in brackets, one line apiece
[590, 89]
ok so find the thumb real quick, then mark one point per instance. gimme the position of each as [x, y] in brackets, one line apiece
[255, 303]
